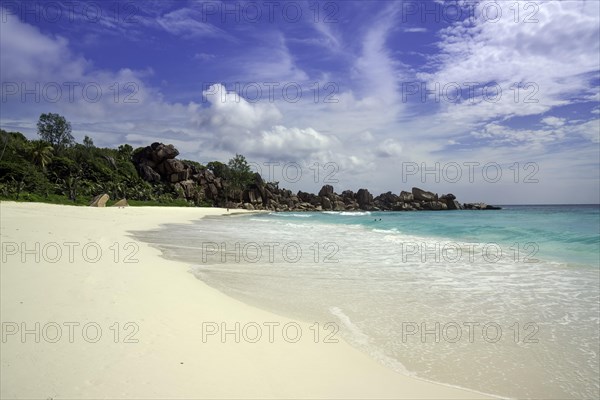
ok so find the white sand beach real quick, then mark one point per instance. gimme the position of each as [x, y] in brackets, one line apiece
[163, 307]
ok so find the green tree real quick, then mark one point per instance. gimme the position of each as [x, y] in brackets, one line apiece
[219, 169]
[13, 145]
[125, 151]
[88, 142]
[41, 153]
[56, 130]
[4, 139]
[240, 174]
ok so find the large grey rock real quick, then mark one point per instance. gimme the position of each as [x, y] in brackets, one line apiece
[435, 206]
[171, 166]
[386, 200]
[218, 183]
[454, 205]
[448, 196]
[260, 185]
[364, 198]
[149, 174]
[450, 201]
[253, 196]
[209, 176]
[347, 196]
[480, 206]
[406, 197]
[100, 200]
[490, 207]
[326, 191]
[189, 188]
[213, 190]
[180, 176]
[423, 195]
[162, 152]
[305, 197]
[315, 201]
[121, 203]
[340, 206]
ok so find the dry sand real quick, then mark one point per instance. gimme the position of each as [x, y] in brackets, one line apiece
[91, 309]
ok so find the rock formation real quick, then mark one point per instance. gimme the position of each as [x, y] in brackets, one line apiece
[99, 201]
[480, 206]
[158, 163]
[121, 203]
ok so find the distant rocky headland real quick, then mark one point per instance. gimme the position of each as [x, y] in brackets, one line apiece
[157, 163]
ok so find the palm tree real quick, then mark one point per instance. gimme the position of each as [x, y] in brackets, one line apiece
[41, 153]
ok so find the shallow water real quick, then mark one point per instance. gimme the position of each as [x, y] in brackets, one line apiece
[504, 302]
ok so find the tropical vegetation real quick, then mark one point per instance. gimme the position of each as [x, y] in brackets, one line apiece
[56, 169]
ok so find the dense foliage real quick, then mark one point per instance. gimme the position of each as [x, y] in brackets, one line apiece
[58, 170]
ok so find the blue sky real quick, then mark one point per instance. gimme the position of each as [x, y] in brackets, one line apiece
[356, 94]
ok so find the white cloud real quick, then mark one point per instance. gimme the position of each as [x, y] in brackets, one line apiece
[389, 148]
[229, 111]
[375, 68]
[269, 61]
[330, 39]
[502, 135]
[288, 143]
[558, 55]
[71, 85]
[589, 130]
[203, 56]
[554, 121]
[27, 54]
[555, 131]
[188, 23]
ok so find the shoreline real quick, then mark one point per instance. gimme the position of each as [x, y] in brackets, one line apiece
[171, 314]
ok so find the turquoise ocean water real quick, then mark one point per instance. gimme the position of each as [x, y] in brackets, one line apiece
[503, 302]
